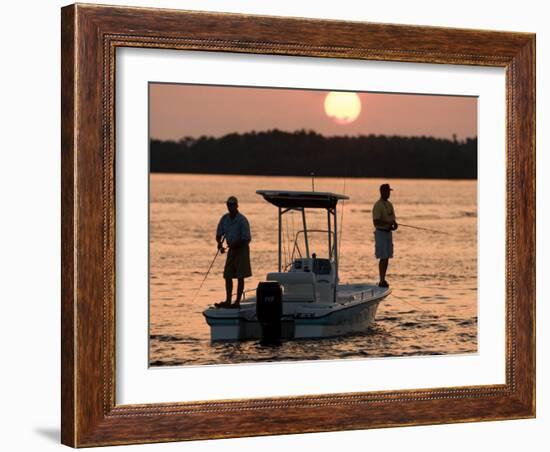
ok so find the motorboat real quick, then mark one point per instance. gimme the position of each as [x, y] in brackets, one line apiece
[304, 298]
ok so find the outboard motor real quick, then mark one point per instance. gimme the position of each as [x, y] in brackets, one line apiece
[269, 310]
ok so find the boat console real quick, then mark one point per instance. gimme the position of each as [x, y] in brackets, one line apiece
[308, 280]
[313, 264]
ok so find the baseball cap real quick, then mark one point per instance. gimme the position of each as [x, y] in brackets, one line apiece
[385, 187]
[232, 200]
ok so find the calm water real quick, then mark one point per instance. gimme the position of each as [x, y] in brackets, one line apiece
[433, 308]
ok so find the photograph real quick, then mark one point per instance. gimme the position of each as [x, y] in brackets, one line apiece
[292, 224]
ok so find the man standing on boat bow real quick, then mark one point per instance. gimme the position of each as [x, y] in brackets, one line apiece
[235, 230]
[383, 217]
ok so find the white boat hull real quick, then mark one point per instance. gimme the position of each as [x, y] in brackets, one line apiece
[354, 313]
[339, 323]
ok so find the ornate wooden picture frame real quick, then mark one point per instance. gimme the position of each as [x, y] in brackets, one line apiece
[90, 37]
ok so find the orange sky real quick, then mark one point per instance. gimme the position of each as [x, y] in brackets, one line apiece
[194, 110]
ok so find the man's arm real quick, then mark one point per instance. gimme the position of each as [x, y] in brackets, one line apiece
[220, 234]
[393, 226]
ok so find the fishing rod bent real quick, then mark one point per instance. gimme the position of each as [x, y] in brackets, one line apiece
[422, 229]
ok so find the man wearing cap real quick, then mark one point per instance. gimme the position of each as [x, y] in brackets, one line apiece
[383, 217]
[234, 228]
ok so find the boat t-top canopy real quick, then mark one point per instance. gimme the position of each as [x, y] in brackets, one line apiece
[302, 199]
[289, 200]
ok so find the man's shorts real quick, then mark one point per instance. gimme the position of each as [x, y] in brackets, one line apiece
[383, 245]
[237, 264]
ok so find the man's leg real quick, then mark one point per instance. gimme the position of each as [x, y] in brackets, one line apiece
[382, 268]
[228, 290]
[240, 290]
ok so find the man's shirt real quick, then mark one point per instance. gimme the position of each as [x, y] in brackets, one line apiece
[234, 228]
[383, 214]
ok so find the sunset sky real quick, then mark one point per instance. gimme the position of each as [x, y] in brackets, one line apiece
[194, 110]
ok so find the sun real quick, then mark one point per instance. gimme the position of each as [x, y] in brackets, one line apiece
[343, 108]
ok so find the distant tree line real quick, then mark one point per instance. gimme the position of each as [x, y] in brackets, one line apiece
[277, 153]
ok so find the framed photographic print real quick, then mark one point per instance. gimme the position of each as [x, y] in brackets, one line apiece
[278, 225]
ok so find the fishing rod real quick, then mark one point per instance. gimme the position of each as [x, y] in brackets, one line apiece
[220, 250]
[415, 306]
[423, 229]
